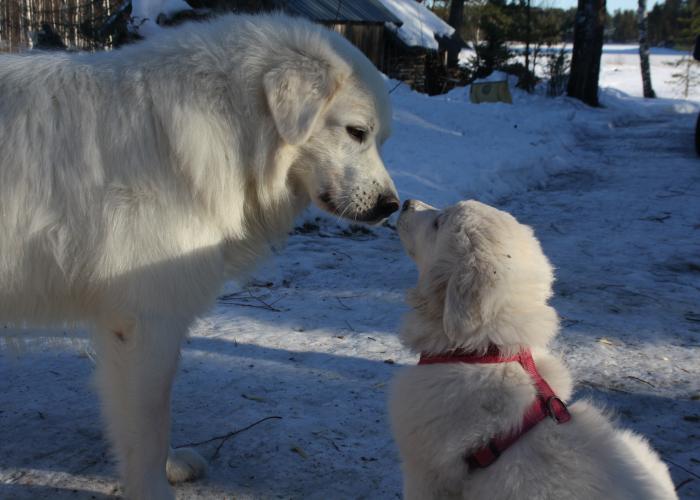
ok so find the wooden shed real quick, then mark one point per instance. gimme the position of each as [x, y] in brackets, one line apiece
[401, 37]
[362, 22]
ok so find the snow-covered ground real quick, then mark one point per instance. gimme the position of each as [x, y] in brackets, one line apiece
[621, 70]
[614, 195]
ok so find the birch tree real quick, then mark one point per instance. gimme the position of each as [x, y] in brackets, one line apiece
[643, 24]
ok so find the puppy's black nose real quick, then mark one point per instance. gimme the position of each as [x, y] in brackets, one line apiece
[386, 205]
[406, 205]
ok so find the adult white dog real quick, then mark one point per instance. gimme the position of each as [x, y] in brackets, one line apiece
[133, 183]
[479, 310]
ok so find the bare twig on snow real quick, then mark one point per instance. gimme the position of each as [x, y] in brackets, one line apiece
[227, 436]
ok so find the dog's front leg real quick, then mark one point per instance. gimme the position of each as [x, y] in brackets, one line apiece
[135, 370]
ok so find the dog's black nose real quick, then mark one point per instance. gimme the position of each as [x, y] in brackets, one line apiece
[406, 205]
[386, 205]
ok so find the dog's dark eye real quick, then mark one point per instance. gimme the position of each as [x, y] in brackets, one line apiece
[357, 133]
[436, 223]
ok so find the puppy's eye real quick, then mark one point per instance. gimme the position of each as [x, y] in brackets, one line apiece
[358, 134]
[436, 223]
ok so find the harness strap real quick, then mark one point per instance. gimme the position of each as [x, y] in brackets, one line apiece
[546, 404]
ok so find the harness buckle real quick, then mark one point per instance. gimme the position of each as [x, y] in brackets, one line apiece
[557, 410]
[484, 457]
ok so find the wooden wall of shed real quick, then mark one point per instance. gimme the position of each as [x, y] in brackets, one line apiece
[406, 64]
[409, 68]
[369, 38]
[388, 55]
[422, 69]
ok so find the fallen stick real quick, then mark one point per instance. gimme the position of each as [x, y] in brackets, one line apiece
[682, 468]
[227, 436]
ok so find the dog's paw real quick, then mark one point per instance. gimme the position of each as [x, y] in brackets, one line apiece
[185, 464]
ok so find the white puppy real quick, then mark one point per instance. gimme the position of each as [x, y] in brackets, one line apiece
[134, 183]
[481, 296]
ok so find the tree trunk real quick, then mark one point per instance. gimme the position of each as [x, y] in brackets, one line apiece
[643, 25]
[588, 47]
[528, 27]
[455, 20]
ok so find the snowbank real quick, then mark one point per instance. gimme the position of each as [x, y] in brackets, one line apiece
[445, 148]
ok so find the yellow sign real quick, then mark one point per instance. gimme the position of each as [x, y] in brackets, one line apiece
[490, 92]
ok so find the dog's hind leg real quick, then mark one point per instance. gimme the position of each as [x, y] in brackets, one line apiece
[135, 370]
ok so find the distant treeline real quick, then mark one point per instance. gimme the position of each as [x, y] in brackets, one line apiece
[671, 23]
[674, 22]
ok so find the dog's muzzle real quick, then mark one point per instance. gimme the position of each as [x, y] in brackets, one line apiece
[386, 205]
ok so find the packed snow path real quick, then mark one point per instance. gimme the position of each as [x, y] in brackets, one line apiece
[622, 227]
[313, 339]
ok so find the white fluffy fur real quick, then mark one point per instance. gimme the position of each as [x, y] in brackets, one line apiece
[484, 280]
[133, 183]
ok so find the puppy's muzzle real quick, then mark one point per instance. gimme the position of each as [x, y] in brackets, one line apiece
[409, 205]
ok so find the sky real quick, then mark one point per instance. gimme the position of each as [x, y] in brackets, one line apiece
[612, 5]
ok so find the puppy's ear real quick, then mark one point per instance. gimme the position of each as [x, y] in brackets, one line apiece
[499, 282]
[473, 293]
[467, 305]
[298, 90]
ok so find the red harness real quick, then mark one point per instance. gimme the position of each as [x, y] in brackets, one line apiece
[546, 404]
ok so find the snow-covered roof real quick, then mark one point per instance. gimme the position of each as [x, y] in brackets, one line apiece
[420, 24]
[414, 24]
[359, 11]
[356, 11]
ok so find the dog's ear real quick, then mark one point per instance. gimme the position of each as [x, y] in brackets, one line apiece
[498, 282]
[298, 90]
[467, 303]
[472, 295]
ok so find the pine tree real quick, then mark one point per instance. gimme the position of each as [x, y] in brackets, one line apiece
[557, 71]
[624, 24]
[490, 37]
[687, 74]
